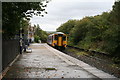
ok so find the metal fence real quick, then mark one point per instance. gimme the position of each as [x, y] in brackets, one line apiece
[10, 49]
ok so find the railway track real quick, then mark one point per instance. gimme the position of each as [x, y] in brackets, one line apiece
[91, 51]
[97, 59]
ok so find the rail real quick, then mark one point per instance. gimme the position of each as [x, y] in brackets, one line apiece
[91, 51]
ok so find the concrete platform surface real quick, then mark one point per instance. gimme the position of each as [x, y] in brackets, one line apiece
[47, 62]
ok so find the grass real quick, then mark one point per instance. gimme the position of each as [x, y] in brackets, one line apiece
[72, 50]
[82, 53]
[49, 68]
[77, 52]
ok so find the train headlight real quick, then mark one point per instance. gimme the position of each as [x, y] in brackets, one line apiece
[64, 44]
[55, 43]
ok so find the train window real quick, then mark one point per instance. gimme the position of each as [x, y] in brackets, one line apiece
[56, 37]
[49, 38]
[60, 35]
[64, 38]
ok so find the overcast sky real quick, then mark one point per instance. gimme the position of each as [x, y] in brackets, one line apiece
[60, 11]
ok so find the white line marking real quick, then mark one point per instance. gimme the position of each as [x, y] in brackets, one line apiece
[99, 73]
[7, 68]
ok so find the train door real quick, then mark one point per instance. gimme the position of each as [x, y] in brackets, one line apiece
[60, 41]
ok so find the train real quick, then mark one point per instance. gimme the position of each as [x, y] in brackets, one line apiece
[57, 40]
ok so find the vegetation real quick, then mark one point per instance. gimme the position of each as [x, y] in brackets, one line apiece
[13, 14]
[40, 34]
[36, 38]
[100, 32]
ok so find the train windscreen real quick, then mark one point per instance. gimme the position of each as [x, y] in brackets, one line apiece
[56, 37]
[60, 35]
[64, 38]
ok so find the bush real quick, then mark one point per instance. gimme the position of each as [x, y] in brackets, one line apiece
[37, 38]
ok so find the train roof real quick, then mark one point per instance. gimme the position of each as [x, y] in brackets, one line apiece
[56, 33]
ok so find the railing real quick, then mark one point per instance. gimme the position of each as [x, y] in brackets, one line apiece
[10, 49]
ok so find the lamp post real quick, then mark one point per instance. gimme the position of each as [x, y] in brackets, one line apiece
[21, 40]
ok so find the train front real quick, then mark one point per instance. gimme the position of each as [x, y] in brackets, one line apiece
[60, 40]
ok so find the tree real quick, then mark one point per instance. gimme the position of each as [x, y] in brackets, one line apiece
[40, 34]
[67, 27]
[113, 33]
[100, 32]
[14, 12]
[115, 14]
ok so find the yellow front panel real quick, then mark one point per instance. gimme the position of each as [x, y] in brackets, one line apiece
[54, 42]
[59, 41]
[64, 43]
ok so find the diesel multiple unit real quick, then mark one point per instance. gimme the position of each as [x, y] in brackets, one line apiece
[57, 40]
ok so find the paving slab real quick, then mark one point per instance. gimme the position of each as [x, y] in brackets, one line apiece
[47, 62]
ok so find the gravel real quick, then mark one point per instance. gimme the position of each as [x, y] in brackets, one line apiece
[99, 61]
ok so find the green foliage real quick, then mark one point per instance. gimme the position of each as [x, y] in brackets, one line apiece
[115, 14]
[40, 33]
[66, 27]
[24, 24]
[36, 38]
[100, 32]
[14, 12]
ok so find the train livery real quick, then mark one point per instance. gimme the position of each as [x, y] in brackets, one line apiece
[57, 40]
